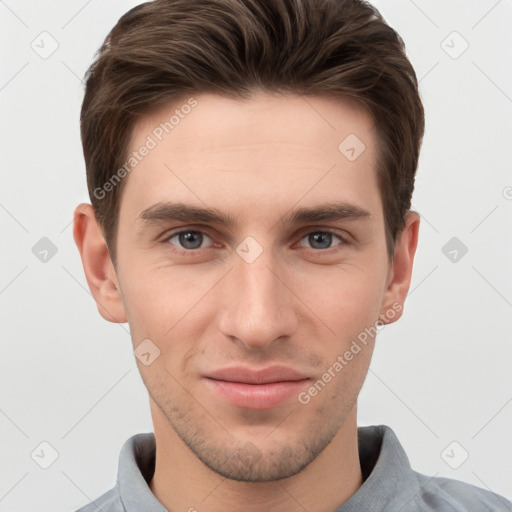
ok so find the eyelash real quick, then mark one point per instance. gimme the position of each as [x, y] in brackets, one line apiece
[193, 252]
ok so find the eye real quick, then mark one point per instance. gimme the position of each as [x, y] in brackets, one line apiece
[188, 239]
[322, 239]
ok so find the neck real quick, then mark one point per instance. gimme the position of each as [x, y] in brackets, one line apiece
[182, 482]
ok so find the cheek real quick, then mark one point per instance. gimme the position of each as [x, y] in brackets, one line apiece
[152, 292]
[338, 387]
[172, 309]
[347, 299]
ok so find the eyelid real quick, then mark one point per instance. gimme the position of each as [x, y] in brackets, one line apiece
[344, 240]
[345, 236]
[185, 229]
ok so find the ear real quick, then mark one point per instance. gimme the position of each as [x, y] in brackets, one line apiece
[99, 270]
[399, 276]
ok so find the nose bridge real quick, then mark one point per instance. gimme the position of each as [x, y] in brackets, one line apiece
[259, 307]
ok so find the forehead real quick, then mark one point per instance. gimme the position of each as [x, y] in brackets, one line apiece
[273, 148]
[263, 118]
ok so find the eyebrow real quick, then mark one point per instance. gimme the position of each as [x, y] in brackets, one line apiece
[333, 211]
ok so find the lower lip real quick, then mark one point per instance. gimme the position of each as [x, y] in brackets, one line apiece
[256, 396]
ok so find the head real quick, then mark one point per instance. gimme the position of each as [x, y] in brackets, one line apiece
[250, 166]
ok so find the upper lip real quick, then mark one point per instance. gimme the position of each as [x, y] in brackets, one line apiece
[261, 376]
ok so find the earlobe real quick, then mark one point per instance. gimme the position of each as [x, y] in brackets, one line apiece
[401, 270]
[99, 270]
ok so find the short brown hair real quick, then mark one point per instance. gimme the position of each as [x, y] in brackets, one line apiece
[162, 50]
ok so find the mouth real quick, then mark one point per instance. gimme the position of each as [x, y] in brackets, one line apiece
[256, 389]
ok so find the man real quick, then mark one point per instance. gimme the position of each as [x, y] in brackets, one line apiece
[250, 165]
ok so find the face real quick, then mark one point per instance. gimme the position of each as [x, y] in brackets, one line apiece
[286, 268]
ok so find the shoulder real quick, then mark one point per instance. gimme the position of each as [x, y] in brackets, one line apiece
[449, 495]
[108, 502]
[392, 484]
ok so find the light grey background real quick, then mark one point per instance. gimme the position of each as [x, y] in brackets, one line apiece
[439, 375]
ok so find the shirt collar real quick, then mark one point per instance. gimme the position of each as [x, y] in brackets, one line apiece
[384, 464]
[389, 482]
[136, 469]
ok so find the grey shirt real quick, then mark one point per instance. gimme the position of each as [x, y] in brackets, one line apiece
[390, 485]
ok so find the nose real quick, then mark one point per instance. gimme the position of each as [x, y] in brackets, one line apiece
[259, 305]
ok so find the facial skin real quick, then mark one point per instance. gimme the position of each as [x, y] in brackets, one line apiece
[299, 304]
